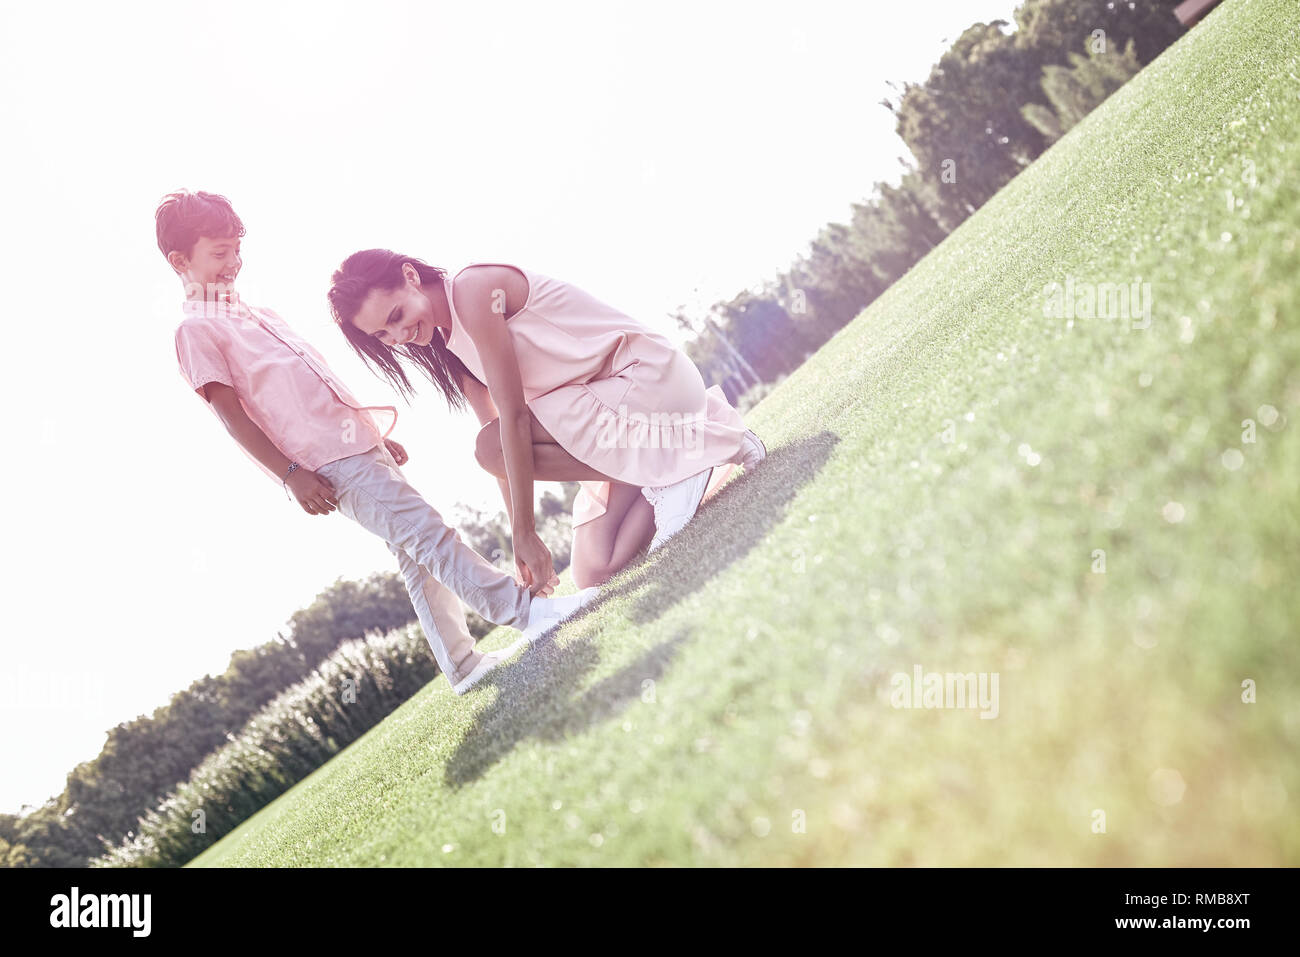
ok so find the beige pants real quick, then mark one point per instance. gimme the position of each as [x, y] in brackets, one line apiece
[439, 568]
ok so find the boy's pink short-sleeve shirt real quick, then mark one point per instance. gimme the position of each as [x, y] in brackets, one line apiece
[283, 383]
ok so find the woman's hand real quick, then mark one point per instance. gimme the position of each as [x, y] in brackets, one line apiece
[396, 451]
[314, 493]
[534, 565]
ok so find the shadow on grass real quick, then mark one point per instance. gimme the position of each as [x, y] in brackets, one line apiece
[539, 691]
[538, 699]
[724, 530]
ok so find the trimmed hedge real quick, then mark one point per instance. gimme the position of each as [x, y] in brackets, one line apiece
[286, 741]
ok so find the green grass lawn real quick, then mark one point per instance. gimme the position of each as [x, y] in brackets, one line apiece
[942, 479]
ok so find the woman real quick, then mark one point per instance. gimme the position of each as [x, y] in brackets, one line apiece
[565, 387]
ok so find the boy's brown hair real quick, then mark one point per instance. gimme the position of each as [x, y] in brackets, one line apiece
[185, 215]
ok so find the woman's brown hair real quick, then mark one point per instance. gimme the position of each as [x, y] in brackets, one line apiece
[352, 282]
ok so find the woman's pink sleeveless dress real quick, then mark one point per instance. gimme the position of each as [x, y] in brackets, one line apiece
[616, 395]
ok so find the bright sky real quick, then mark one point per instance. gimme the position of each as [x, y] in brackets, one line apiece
[656, 155]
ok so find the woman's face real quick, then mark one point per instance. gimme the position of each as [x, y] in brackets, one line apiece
[398, 317]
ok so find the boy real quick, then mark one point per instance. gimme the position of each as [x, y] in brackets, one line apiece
[287, 411]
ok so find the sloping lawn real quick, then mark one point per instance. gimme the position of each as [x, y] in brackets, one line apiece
[1105, 516]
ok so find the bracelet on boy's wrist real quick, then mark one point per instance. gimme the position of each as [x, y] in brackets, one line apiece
[293, 467]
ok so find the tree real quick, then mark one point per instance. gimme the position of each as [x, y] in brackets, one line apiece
[1076, 90]
[967, 124]
[1048, 30]
[964, 124]
[348, 609]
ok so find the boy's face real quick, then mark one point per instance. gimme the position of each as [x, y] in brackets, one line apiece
[210, 271]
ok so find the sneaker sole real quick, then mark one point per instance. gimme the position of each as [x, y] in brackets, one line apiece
[471, 680]
[659, 541]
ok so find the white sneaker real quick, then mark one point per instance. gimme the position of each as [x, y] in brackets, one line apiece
[675, 505]
[752, 450]
[545, 613]
[489, 661]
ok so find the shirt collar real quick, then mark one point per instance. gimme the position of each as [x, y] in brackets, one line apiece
[216, 309]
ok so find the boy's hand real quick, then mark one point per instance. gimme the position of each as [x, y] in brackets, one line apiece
[396, 451]
[314, 493]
